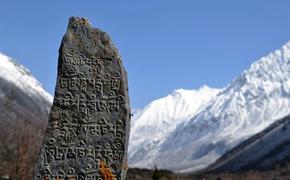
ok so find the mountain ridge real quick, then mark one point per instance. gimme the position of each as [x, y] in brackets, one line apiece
[161, 116]
[24, 110]
[249, 104]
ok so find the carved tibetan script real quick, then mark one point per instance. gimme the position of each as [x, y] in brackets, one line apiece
[87, 135]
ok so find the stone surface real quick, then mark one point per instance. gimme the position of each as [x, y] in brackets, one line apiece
[89, 123]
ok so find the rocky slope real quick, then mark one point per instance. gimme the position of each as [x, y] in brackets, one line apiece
[263, 151]
[24, 109]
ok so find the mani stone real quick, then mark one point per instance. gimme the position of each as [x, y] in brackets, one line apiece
[89, 123]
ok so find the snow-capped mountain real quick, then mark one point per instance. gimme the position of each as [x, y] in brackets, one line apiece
[250, 103]
[24, 109]
[20, 77]
[153, 123]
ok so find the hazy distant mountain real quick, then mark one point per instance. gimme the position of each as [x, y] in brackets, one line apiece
[24, 109]
[250, 103]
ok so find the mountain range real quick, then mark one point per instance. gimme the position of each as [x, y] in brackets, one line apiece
[253, 101]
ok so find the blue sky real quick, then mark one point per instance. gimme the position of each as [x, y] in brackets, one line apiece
[164, 44]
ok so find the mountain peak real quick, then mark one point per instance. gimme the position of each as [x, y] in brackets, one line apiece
[153, 123]
[267, 72]
[249, 104]
[202, 90]
[286, 45]
[21, 77]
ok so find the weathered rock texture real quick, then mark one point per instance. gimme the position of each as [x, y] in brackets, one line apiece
[87, 134]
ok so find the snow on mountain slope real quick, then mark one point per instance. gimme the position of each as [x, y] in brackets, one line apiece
[262, 151]
[249, 104]
[19, 76]
[24, 110]
[152, 124]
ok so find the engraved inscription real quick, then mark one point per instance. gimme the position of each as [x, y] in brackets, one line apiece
[87, 135]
